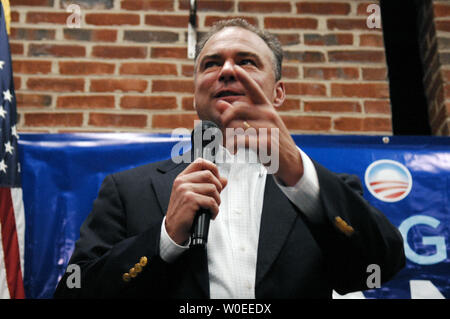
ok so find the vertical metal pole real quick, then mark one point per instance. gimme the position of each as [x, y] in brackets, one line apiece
[192, 29]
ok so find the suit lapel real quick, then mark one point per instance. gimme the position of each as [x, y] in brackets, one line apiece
[278, 216]
[162, 186]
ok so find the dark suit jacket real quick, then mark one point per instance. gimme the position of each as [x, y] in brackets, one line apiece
[296, 258]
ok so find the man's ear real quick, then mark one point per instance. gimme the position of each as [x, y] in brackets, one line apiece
[280, 94]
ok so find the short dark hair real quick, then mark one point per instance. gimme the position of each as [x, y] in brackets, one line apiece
[271, 40]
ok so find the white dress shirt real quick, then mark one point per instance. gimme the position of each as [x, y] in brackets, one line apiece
[233, 236]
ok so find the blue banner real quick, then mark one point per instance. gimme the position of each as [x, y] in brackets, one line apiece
[407, 178]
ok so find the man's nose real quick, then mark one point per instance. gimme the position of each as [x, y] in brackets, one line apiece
[227, 72]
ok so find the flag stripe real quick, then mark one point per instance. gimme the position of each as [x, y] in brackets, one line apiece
[10, 245]
[19, 213]
[4, 292]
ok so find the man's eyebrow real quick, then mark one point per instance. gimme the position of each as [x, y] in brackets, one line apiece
[210, 56]
[248, 54]
[239, 54]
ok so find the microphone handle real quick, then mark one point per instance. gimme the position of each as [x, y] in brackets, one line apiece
[200, 228]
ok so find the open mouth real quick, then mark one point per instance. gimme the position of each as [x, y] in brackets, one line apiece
[226, 93]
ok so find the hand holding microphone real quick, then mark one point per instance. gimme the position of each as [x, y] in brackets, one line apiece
[195, 192]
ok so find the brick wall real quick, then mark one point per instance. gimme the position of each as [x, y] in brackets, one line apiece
[434, 26]
[126, 68]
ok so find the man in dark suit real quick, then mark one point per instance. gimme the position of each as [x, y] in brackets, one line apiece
[297, 233]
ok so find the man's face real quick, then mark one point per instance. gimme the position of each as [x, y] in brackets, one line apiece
[214, 74]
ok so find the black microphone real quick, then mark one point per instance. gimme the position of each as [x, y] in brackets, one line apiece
[205, 140]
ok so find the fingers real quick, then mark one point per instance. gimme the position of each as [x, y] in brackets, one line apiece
[252, 88]
[201, 164]
[236, 115]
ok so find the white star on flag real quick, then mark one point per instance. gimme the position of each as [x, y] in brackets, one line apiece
[2, 112]
[3, 166]
[9, 148]
[2, 63]
[14, 132]
[7, 95]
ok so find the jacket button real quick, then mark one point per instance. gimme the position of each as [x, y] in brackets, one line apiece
[133, 272]
[126, 277]
[138, 268]
[143, 261]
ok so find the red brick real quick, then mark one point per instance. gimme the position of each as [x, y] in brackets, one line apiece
[110, 19]
[356, 56]
[347, 24]
[377, 107]
[32, 66]
[118, 120]
[187, 103]
[328, 8]
[32, 3]
[187, 70]
[123, 85]
[171, 121]
[174, 21]
[264, 7]
[85, 68]
[369, 90]
[47, 17]
[371, 40]
[441, 10]
[180, 86]
[148, 102]
[55, 84]
[32, 34]
[331, 73]
[17, 82]
[56, 50]
[363, 124]
[209, 5]
[288, 38]
[362, 9]
[16, 48]
[332, 106]
[290, 72]
[96, 35]
[307, 123]
[119, 52]
[289, 105]
[104, 35]
[329, 39]
[375, 74]
[148, 68]
[304, 56]
[85, 101]
[89, 4]
[53, 119]
[169, 52]
[15, 16]
[138, 5]
[33, 100]
[290, 23]
[210, 20]
[443, 25]
[313, 89]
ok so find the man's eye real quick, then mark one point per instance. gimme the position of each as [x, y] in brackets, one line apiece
[211, 64]
[247, 62]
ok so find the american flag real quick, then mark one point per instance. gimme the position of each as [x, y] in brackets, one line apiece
[12, 217]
